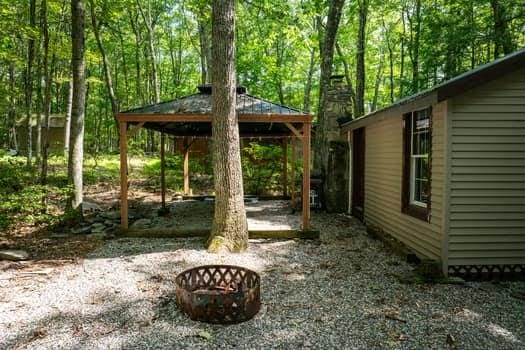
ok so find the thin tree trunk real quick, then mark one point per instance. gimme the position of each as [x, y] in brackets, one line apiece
[327, 56]
[175, 59]
[414, 45]
[348, 79]
[379, 77]
[67, 122]
[360, 59]
[134, 26]
[47, 97]
[390, 61]
[204, 45]
[76, 149]
[105, 62]
[124, 68]
[38, 112]
[29, 84]
[309, 80]
[230, 227]
[402, 64]
[151, 40]
[502, 38]
[12, 107]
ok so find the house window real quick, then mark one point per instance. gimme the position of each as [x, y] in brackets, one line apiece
[416, 169]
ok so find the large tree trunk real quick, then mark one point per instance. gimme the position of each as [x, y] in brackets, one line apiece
[230, 227]
[76, 148]
[360, 60]
[29, 83]
[502, 39]
[327, 56]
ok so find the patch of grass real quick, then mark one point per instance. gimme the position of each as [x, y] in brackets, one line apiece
[24, 199]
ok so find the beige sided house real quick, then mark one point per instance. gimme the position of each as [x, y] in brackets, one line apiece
[443, 171]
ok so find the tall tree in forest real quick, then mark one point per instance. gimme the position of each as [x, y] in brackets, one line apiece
[76, 147]
[360, 80]
[105, 61]
[327, 56]
[29, 82]
[230, 227]
[502, 38]
[414, 19]
[47, 94]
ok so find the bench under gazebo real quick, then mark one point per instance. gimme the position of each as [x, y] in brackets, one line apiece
[190, 117]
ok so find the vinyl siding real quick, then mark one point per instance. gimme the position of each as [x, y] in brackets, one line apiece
[487, 175]
[383, 174]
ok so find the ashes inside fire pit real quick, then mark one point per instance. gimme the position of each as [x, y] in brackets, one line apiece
[219, 293]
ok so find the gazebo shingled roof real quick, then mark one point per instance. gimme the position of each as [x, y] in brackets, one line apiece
[191, 116]
[199, 104]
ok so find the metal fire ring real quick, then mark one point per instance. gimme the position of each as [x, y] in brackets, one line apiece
[219, 293]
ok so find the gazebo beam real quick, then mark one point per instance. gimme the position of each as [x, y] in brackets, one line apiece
[292, 175]
[123, 174]
[163, 169]
[285, 167]
[293, 129]
[186, 149]
[207, 118]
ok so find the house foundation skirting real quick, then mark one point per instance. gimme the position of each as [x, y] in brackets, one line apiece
[488, 272]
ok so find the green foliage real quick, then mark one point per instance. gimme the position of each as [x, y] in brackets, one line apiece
[262, 168]
[23, 199]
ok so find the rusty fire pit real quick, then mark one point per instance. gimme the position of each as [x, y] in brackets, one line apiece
[219, 293]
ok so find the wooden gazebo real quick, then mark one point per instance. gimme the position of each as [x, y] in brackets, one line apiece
[190, 116]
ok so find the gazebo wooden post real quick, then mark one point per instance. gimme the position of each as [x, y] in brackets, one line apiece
[123, 174]
[285, 167]
[186, 149]
[292, 172]
[163, 169]
[306, 176]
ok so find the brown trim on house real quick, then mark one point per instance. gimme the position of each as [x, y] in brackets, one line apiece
[406, 207]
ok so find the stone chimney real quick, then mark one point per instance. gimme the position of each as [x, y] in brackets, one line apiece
[338, 106]
[338, 110]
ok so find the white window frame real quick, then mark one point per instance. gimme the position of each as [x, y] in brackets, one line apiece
[413, 158]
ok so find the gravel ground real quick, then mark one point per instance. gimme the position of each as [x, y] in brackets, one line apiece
[340, 292]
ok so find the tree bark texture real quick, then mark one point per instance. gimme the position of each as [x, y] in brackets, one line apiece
[327, 55]
[360, 59]
[230, 227]
[76, 148]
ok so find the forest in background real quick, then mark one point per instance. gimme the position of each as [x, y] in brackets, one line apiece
[140, 52]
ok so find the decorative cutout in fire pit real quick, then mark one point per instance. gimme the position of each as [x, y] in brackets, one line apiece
[219, 293]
